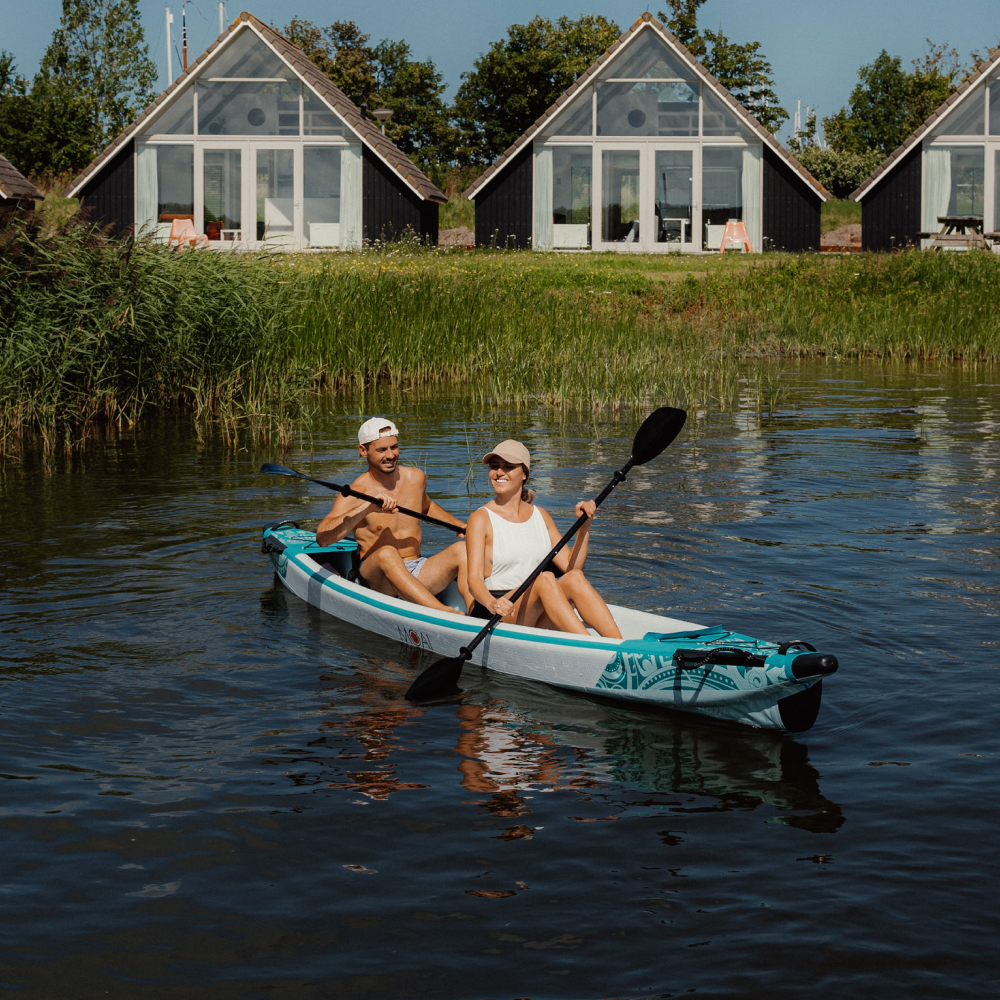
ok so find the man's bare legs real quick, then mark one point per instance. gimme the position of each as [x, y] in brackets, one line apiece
[385, 572]
[443, 567]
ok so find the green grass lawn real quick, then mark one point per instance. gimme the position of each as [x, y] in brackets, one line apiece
[839, 212]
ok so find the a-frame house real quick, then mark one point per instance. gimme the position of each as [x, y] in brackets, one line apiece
[258, 149]
[646, 151]
[945, 176]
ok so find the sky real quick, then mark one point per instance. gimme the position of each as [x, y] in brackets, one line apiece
[815, 46]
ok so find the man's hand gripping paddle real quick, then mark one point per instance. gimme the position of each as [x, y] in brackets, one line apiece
[281, 470]
[656, 432]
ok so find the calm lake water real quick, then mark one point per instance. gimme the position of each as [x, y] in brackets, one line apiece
[211, 789]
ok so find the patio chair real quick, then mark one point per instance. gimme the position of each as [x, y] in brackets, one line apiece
[736, 232]
[182, 231]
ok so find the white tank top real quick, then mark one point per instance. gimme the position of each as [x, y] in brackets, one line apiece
[517, 549]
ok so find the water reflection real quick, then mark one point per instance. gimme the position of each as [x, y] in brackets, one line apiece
[514, 741]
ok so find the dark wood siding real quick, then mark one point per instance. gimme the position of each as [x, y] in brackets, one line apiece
[890, 213]
[791, 208]
[503, 209]
[389, 209]
[109, 197]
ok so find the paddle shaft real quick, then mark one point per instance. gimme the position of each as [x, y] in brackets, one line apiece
[619, 477]
[348, 492]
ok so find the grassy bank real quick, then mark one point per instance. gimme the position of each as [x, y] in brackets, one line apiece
[96, 332]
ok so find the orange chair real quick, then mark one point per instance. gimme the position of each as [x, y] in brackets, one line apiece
[736, 232]
[182, 231]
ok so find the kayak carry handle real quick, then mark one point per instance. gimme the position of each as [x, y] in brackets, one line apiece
[814, 665]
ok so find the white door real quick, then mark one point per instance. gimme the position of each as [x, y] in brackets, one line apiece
[276, 195]
[649, 198]
[219, 190]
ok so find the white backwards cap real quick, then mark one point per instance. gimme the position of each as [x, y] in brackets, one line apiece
[377, 427]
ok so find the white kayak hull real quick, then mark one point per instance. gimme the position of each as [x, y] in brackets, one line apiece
[647, 666]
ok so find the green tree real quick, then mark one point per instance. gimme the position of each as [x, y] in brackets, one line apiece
[742, 69]
[421, 120]
[888, 103]
[521, 76]
[739, 66]
[98, 59]
[341, 51]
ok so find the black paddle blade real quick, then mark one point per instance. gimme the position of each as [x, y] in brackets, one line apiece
[437, 681]
[277, 470]
[656, 432]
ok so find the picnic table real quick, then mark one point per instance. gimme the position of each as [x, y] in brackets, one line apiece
[958, 232]
[964, 225]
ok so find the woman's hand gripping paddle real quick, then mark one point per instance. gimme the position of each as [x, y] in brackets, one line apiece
[281, 470]
[656, 432]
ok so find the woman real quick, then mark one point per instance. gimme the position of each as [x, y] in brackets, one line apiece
[510, 536]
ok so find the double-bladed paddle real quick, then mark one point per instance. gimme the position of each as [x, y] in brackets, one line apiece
[281, 470]
[656, 432]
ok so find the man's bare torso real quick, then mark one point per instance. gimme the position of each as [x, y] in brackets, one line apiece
[397, 530]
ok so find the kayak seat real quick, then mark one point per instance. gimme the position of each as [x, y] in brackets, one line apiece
[341, 557]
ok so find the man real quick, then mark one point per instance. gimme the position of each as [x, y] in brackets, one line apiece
[389, 542]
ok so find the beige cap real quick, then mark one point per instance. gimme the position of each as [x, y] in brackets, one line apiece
[510, 451]
[377, 427]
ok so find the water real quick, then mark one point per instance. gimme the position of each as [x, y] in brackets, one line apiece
[211, 789]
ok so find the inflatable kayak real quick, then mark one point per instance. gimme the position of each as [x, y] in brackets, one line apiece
[661, 662]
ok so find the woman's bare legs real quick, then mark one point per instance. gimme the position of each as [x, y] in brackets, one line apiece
[545, 599]
[549, 603]
[589, 603]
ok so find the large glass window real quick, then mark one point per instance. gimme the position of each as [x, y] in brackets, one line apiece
[996, 191]
[719, 119]
[969, 119]
[222, 182]
[721, 192]
[174, 182]
[630, 109]
[953, 184]
[321, 195]
[571, 197]
[317, 118]
[620, 196]
[647, 58]
[178, 119]
[674, 195]
[576, 119]
[275, 195]
[995, 107]
[164, 187]
[247, 56]
[231, 108]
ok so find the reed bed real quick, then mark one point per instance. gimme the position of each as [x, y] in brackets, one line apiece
[98, 332]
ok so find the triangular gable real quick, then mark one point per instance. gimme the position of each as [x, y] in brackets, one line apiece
[14, 185]
[945, 110]
[307, 73]
[644, 65]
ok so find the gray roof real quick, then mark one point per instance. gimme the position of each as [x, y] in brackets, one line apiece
[369, 133]
[14, 185]
[944, 109]
[648, 21]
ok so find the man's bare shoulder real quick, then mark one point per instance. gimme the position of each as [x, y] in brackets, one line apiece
[410, 474]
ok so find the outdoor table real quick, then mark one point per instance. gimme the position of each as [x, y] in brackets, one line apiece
[962, 224]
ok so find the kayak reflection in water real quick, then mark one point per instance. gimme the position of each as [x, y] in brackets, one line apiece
[510, 536]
